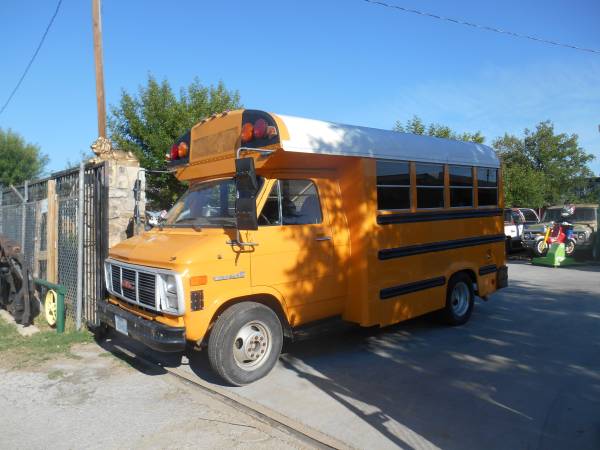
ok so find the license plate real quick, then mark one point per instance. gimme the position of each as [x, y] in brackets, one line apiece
[121, 325]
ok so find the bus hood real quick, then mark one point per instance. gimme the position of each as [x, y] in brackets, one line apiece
[172, 249]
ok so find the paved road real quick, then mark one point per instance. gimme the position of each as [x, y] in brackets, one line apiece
[524, 373]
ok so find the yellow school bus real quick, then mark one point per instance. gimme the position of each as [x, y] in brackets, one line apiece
[289, 223]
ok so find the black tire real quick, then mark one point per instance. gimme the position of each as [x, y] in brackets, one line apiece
[569, 247]
[238, 320]
[453, 313]
[540, 248]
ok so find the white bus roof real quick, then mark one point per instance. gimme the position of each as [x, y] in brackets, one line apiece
[327, 138]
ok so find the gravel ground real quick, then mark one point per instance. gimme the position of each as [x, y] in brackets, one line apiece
[99, 401]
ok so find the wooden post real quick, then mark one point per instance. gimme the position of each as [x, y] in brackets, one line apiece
[100, 102]
[52, 233]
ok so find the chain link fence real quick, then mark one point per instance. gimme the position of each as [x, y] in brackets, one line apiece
[46, 222]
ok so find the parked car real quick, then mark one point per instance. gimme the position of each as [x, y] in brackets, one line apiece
[515, 219]
[513, 227]
[584, 219]
[529, 216]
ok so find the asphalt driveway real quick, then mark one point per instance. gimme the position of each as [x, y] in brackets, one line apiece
[524, 373]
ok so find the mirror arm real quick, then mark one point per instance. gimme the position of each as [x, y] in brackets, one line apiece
[239, 242]
[262, 151]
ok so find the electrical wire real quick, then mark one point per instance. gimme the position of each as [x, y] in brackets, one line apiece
[482, 27]
[14, 91]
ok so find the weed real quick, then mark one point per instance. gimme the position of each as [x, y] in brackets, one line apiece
[20, 351]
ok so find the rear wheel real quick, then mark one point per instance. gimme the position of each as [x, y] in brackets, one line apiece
[460, 300]
[569, 247]
[245, 343]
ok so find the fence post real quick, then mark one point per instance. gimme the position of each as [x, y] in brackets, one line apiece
[52, 233]
[1, 210]
[80, 234]
[24, 200]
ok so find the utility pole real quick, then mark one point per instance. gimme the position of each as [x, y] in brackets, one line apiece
[97, 24]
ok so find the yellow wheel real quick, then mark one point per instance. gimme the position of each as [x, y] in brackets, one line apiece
[51, 308]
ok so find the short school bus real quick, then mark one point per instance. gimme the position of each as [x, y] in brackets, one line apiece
[289, 222]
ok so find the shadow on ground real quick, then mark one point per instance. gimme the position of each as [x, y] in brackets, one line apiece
[523, 373]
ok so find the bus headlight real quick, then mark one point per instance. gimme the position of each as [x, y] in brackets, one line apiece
[171, 294]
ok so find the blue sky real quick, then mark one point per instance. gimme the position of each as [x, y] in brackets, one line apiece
[345, 61]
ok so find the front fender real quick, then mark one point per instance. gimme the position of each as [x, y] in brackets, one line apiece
[198, 323]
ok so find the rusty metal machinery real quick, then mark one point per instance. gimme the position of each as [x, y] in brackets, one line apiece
[17, 293]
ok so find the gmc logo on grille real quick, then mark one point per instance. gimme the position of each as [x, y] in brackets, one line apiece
[126, 284]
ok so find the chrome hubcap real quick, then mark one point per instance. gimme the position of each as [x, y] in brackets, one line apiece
[460, 299]
[252, 345]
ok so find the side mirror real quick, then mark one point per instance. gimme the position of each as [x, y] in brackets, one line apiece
[246, 185]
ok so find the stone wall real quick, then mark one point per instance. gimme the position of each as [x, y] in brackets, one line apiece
[122, 174]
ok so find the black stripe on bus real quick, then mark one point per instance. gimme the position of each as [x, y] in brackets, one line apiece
[484, 270]
[399, 252]
[386, 219]
[403, 289]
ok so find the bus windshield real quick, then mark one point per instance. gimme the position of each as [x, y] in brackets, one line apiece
[207, 204]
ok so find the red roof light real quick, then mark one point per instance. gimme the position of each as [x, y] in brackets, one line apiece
[260, 128]
[174, 152]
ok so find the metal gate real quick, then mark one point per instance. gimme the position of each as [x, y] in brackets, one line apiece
[95, 238]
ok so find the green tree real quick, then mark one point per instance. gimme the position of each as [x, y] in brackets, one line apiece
[148, 123]
[19, 160]
[542, 168]
[416, 126]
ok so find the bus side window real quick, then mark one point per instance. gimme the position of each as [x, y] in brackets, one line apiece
[487, 186]
[300, 202]
[270, 212]
[292, 202]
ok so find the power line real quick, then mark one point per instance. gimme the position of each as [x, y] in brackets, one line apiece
[32, 58]
[482, 27]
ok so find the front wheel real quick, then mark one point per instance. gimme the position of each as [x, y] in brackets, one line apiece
[540, 248]
[460, 300]
[245, 343]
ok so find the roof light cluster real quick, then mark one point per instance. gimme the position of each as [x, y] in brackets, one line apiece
[257, 130]
[180, 150]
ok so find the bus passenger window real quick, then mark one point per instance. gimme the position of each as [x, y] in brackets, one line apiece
[487, 186]
[393, 185]
[461, 186]
[430, 185]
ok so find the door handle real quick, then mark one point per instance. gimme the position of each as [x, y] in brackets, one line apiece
[323, 238]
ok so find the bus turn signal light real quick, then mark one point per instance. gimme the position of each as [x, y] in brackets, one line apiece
[247, 132]
[182, 149]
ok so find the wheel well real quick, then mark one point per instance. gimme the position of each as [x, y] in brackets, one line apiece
[264, 299]
[471, 275]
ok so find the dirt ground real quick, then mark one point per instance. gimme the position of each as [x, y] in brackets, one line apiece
[93, 400]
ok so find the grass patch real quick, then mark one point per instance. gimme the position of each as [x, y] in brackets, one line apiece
[18, 351]
[56, 374]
